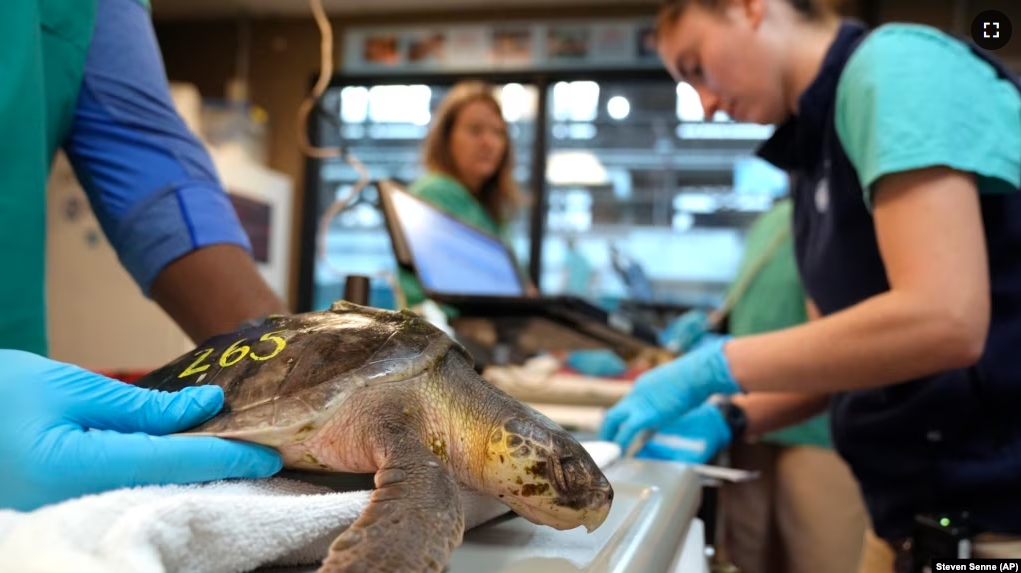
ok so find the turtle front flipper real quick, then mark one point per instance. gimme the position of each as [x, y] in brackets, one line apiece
[414, 520]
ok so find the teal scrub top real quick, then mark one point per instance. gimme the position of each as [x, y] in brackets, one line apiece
[895, 115]
[44, 47]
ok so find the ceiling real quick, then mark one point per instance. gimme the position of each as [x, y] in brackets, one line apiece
[197, 9]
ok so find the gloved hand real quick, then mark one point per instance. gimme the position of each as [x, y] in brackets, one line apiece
[707, 338]
[695, 438]
[597, 362]
[668, 392]
[67, 432]
[686, 331]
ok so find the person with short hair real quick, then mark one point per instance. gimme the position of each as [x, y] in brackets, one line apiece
[904, 144]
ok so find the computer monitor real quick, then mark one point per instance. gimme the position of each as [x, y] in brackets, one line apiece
[476, 273]
[448, 256]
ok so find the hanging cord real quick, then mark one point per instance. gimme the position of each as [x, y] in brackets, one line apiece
[323, 82]
[314, 102]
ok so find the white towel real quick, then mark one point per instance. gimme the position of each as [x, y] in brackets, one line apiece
[220, 527]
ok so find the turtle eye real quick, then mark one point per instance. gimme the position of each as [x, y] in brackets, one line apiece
[558, 474]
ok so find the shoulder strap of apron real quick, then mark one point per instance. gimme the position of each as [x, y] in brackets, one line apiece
[746, 279]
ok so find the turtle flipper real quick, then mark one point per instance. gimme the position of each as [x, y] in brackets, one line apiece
[413, 522]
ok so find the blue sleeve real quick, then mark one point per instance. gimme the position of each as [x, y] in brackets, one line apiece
[912, 97]
[150, 181]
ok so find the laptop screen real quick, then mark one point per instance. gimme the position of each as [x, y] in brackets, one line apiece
[451, 257]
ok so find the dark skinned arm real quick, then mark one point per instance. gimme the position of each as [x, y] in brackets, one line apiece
[213, 290]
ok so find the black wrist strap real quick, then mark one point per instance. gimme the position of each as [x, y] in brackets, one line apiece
[735, 418]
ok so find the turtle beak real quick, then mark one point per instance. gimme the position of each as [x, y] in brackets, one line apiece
[578, 481]
[544, 474]
[598, 509]
[579, 484]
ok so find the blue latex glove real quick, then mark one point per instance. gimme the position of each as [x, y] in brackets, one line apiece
[67, 432]
[668, 392]
[695, 438]
[597, 362]
[685, 332]
[707, 338]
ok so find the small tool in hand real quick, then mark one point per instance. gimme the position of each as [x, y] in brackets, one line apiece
[638, 443]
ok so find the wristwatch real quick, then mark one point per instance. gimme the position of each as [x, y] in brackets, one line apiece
[735, 418]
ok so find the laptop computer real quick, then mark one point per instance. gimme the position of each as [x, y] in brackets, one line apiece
[475, 273]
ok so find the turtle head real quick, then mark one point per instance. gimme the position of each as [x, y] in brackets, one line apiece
[543, 474]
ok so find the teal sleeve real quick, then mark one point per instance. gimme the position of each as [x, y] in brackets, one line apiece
[439, 193]
[451, 197]
[912, 97]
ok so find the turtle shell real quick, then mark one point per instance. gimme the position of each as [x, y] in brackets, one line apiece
[289, 370]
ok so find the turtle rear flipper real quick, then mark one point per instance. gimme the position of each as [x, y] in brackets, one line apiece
[414, 520]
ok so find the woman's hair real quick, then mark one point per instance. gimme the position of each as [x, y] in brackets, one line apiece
[811, 10]
[499, 194]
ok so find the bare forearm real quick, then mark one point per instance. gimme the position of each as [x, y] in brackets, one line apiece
[213, 290]
[935, 316]
[770, 411]
[890, 338]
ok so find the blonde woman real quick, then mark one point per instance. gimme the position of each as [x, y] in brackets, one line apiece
[469, 167]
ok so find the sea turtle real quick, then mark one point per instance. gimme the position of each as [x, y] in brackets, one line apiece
[359, 389]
